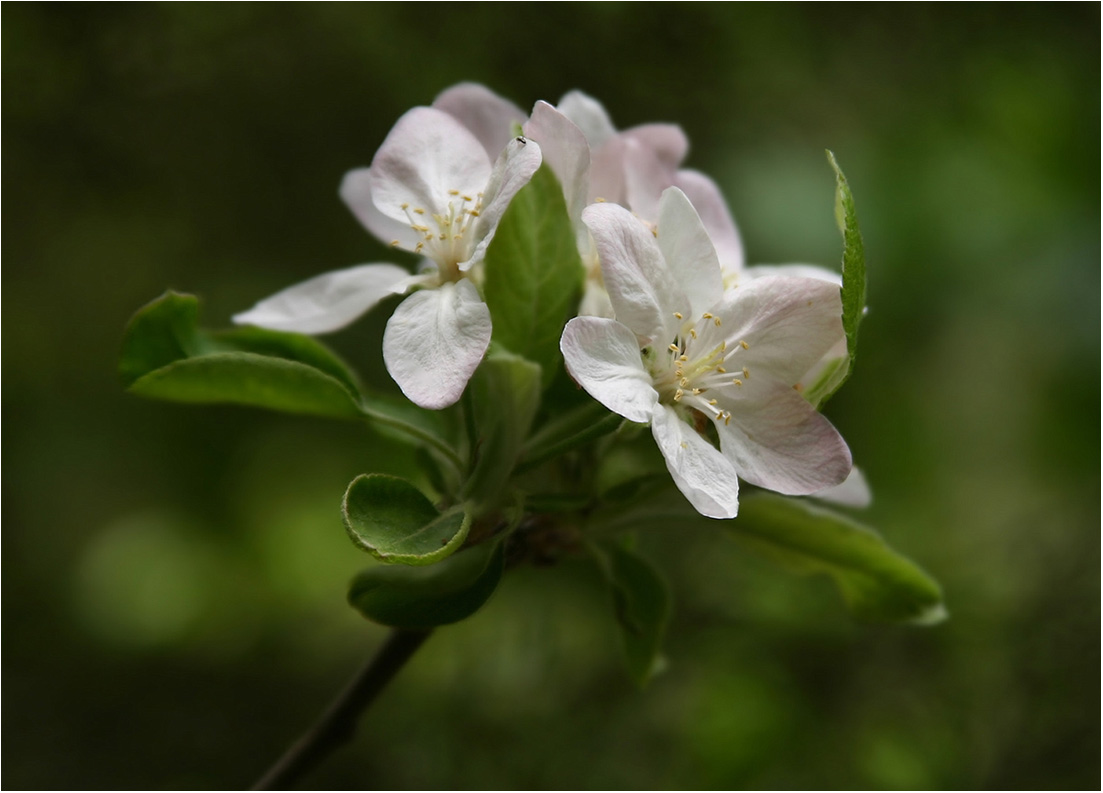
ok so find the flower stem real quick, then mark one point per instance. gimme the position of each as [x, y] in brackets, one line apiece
[338, 724]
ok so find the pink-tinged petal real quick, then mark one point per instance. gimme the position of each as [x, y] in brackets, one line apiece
[330, 301]
[645, 176]
[513, 169]
[688, 251]
[489, 117]
[666, 141]
[704, 475]
[427, 154]
[642, 289]
[778, 441]
[603, 357]
[566, 153]
[435, 340]
[709, 202]
[589, 115]
[607, 172]
[356, 192]
[853, 492]
[787, 325]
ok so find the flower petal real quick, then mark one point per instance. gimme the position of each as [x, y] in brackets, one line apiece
[512, 171]
[435, 340]
[589, 115]
[356, 192]
[330, 301]
[642, 289]
[795, 271]
[566, 153]
[853, 492]
[713, 209]
[787, 324]
[425, 155]
[778, 441]
[489, 117]
[603, 357]
[688, 251]
[704, 475]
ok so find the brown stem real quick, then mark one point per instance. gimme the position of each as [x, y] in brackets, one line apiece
[338, 724]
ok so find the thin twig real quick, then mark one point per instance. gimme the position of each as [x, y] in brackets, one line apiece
[338, 724]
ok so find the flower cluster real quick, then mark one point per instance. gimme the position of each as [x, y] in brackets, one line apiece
[673, 330]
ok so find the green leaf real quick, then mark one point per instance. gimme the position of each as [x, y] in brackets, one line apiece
[568, 431]
[504, 395]
[877, 582]
[854, 274]
[642, 605]
[245, 378]
[533, 273]
[424, 597]
[166, 355]
[396, 523]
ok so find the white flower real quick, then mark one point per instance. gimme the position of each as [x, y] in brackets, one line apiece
[596, 162]
[683, 353]
[435, 189]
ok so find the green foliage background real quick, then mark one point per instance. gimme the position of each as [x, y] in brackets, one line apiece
[174, 577]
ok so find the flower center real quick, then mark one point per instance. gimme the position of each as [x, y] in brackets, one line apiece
[696, 362]
[445, 237]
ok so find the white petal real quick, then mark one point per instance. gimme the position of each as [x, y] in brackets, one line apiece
[689, 252]
[435, 341]
[588, 114]
[779, 441]
[595, 300]
[566, 153]
[512, 171]
[425, 155]
[603, 357]
[795, 271]
[356, 192]
[713, 209]
[641, 288]
[853, 492]
[666, 141]
[703, 474]
[788, 324]
[330, 301]
[489, 117]
[607, 172]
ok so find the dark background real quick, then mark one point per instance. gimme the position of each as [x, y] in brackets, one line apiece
[174, 577]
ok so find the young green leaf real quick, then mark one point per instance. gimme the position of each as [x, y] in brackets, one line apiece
[876, 581]
[424, 597]
[854, 278]
[642, 605]
[534, 273]
[505, 393]
[390, 518]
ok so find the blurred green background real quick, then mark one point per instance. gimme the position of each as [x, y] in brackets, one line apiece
[174, 577]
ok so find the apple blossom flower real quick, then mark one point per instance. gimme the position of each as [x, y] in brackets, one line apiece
[683, 353]
[595, 162]
[434, 189]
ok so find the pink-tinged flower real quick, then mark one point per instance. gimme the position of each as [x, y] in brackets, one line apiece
[683, 353]
[596, 162]
[434, 188]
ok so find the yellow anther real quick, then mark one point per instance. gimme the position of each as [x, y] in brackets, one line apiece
[404, 205]
[469, 198]
[678, 394]
[453, 192]
[697, 392]
[744, 345]
[716, 321]
[474, 213]
[599, 200]
[678, 314]
[723, 345]
[683, 358]
[654, 232]
[712, 401]
[419, 211]
[395, 242]
[727, 419]
[418, 247]
[693, 332]
[706, 315]
[673, 347]
[737, 381]
[721, 370]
